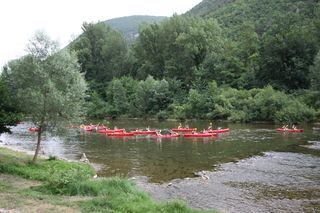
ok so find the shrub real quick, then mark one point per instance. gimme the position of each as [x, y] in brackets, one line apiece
[179, 112]
[162, 115]
[238, 116]
[295, 112]
[266, 103]
[61, 181]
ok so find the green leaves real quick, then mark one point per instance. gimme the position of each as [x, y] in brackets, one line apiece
[286, 55]
[176, 48]
[9, 111]
[101, 52]
[151, 96]
[48, 84]
[315, 73]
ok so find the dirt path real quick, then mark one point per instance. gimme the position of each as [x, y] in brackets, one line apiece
[15, 197]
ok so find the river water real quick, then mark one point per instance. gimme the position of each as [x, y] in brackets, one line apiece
[253, 168]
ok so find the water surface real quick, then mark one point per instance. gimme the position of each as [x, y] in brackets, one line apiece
[162, 160]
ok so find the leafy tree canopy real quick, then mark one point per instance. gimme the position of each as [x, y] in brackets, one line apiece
[9, 111]
[48, 85]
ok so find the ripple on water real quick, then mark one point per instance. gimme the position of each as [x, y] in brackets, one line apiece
[313, 145]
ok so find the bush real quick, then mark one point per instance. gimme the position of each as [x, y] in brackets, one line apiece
[162, 115]
[266, 103]
[295, 112]
[238, 116]
[96, 107]
[62, 181]
[179, 112]
[112, 112]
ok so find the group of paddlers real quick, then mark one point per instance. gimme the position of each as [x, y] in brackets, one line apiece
[286, 127]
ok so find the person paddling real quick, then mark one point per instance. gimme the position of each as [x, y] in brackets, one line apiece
[285, 127]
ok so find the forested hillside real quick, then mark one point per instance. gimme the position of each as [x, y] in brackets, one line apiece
[237, 60]
[285, 34]
[242, 60]
[129, 25]
[263, 14]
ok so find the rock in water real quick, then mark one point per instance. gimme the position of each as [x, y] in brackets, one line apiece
[84, 158]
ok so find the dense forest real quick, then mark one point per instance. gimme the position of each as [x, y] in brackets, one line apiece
[237, 60]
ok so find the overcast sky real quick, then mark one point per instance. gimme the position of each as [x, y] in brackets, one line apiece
[62, 19]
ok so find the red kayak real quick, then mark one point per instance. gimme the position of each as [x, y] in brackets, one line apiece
[289, 130]
[218, 130]
[110, 130]
[184, 129]
[89, 128]
[33, 129]
[120, 134]
[166, 136]
[198, 134]
[144, 132]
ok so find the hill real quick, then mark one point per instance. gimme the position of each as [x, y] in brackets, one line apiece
[262, 13]
[129, 25]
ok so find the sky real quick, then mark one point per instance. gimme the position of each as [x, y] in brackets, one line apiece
[62, 19]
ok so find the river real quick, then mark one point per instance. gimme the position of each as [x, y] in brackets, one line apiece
[252, 168]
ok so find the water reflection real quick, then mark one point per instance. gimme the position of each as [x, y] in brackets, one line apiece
[164, 159]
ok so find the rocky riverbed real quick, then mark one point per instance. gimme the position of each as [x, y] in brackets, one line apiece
[274, 182]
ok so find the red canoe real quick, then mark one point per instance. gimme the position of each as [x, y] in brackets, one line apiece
[166, 136]
[218, 130]
[110, 130]
[197, 134]
[144, 132]
[120, 134]
[33, 129]
[289, 130]
[89, 128]
[184, 129]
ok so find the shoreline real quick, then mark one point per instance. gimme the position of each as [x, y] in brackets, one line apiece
[63, 186]
[236, 185]
[3, 144]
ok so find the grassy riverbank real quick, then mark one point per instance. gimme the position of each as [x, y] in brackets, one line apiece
[55, 185]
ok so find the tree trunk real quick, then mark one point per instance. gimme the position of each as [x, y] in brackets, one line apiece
[38, 146]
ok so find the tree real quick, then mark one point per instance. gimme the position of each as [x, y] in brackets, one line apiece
[152, 96]
[287, 51]
[48, 84]
[9, 112]
[315, 73]
[119, 101]
[101, 52]
[177, 48]
[97, 107]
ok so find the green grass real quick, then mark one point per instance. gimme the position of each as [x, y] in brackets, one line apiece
[18, 163]
[4, 186]
[61, 180]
